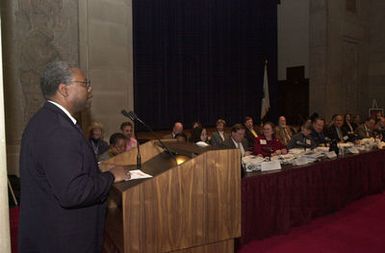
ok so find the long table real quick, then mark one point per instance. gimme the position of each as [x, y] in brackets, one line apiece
[273, 202]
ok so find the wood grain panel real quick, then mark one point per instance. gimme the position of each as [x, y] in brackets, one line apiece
[132, 206]
[186, 207]
[219, 247]
[174, 208]
[147, 151]
[223, 175]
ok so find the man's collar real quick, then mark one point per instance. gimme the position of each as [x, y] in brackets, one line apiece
[64, 110]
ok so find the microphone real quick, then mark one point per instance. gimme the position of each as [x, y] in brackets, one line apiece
[132, 116]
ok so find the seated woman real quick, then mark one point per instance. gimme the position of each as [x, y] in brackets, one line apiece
[95, 138]
[303, 139]
[267, 145]
[199, 136]
[219, 136]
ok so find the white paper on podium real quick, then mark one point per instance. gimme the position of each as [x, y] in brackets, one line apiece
[271, 165]
[138, 174]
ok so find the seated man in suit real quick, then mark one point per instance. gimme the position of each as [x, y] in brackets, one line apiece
[317, 132]
[177, 129]
[380, 128]
[219, 136]
[366, 129]
[250, 132]
[118, 144]
[283, 131]
[237, 140]
[303, 139]
[335, 131]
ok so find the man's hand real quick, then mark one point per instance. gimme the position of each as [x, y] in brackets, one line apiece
[120, 173]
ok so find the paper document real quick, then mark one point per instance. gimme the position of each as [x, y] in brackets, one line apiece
[138, 174]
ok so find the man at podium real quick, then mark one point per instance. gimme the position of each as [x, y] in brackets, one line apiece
[62, 190]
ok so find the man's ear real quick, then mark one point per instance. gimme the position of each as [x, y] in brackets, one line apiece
[62, 89]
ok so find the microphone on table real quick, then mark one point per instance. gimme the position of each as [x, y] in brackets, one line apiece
[132, 116]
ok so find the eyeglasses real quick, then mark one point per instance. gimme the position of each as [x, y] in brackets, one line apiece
[85, 84]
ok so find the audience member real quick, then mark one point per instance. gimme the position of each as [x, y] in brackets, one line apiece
[196, 124]
[267, 144]
[317, 132]
[198, 134]
[366, 129]
[349, 126]
[335, 131]
[282, 131]
[177, 129]
[219, 136]
[127, 130]
[237, 140]
[95, 138]
[181, 137]
[118, 144]
[303, 139]
[380, 128]
[357, 120]
[250, 132]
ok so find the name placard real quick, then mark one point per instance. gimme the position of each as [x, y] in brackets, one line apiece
[271, 165]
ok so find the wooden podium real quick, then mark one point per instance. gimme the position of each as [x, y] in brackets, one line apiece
[192, 207]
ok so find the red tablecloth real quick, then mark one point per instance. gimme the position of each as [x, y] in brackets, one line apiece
[274, 202]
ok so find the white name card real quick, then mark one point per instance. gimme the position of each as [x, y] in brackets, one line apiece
[271, 165]
[331, 154]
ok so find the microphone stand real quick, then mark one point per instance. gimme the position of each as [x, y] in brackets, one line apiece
[138, 156]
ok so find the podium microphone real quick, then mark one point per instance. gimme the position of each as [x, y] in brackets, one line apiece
[132, 116]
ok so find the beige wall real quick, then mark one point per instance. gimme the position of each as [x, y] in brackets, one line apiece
[376, 76]
[106, 52]
[339, 44]
[293, 36]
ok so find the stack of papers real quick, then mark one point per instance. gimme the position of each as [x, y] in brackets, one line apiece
[138, 174]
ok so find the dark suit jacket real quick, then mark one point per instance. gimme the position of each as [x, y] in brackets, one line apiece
[301, 141]
[228, 143]
[331, 132]
[63, 192]
[216, 139]
[250, 138]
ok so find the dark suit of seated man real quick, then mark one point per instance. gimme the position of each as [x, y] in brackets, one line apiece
[317, 131]
[365, 130]
[303, 139]
[335, 131]
[237, 140]
[63, 192]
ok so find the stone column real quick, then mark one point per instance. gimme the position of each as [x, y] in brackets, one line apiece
[5, 243]
[338, 56]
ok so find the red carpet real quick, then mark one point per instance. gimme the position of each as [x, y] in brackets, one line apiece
[14, 226]
[360, 227]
